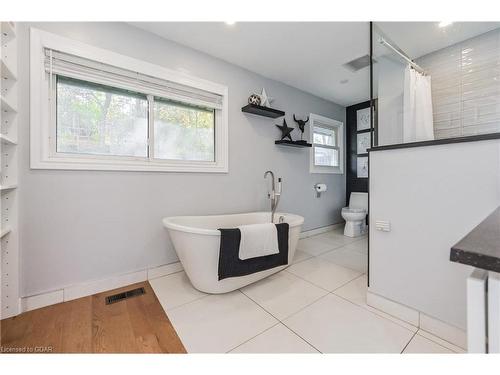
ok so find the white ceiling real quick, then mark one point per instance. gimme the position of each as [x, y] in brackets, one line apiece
[305, 55]
[310, 55]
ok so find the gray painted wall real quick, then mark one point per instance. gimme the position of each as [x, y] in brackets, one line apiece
[77, 226]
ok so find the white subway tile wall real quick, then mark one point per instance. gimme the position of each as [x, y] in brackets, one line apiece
[466, 86]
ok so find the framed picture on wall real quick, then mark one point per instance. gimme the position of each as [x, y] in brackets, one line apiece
[362, 167]
[363, 143]
[363, 119]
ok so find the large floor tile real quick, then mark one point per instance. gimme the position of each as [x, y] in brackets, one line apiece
[315, 246]
[420, 344]
[361, 246]
[355, 292]
[347, 258]
[322, 273]
[337, 237]
[300, 256]
[334, 325]
[278, 339]
[175, 290]
[219, 323]
[283, 294]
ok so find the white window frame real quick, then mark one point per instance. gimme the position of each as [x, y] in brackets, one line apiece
[338, 126]
[43, 153]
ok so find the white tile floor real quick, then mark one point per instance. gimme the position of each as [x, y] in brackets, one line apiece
[318, 304]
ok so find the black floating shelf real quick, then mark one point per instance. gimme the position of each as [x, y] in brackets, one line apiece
[285, 142]
[262, 111]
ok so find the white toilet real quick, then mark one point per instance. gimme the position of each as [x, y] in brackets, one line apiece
[355, 215]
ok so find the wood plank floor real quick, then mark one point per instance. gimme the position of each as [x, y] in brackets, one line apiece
[88, 325]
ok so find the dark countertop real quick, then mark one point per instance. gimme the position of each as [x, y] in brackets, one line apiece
[481, 247]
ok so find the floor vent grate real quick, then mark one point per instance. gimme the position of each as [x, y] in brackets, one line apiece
[121, 296]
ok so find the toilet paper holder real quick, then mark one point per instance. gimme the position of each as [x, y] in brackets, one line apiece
[320, 188]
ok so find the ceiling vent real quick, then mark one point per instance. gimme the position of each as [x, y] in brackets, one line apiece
[359, 63]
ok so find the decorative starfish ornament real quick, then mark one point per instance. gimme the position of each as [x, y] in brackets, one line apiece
[285, 131]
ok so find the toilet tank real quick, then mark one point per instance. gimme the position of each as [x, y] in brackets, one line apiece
[358, 200]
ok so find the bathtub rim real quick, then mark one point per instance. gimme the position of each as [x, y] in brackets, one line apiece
[169, 222]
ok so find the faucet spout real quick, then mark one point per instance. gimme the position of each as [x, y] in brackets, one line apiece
[272, 176]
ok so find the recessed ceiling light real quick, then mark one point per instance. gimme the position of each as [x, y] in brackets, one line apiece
[444, 23]
[230, 23]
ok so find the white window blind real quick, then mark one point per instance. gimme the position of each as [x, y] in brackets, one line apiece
[64, 64]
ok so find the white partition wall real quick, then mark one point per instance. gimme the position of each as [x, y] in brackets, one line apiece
[9, 261]
[432, 196]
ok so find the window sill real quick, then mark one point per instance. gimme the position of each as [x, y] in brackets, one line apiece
[326, 171]
[129, 165]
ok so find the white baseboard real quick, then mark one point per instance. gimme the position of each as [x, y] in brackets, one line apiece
[417, 318]
[164, 270]
[395, 309]
[440, 341]
[443, 330]
[97, 286]
[313, 232]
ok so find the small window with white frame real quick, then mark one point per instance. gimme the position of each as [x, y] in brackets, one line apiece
[95, 109]
[327, 139]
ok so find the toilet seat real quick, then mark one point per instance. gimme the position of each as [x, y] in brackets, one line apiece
[350, 210]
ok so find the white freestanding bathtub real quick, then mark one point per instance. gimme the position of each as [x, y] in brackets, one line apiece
[197, 242]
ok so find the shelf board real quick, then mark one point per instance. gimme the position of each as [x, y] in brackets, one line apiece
[285, 142]
[6, 140]
[5, 231]
[8, 31]
[7, 72]
[6, 106]
[8, 187]
[262, 111]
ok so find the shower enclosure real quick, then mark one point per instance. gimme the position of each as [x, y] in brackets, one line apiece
[434, 81]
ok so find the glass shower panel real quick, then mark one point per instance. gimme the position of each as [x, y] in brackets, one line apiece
[388, 74]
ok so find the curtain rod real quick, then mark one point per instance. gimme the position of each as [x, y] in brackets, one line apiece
[413, 64]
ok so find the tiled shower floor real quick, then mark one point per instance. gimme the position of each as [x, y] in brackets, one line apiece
[318, 304]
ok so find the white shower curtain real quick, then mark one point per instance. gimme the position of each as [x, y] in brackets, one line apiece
[418, 124]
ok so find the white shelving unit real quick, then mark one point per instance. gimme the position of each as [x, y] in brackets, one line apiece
[9, 237]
